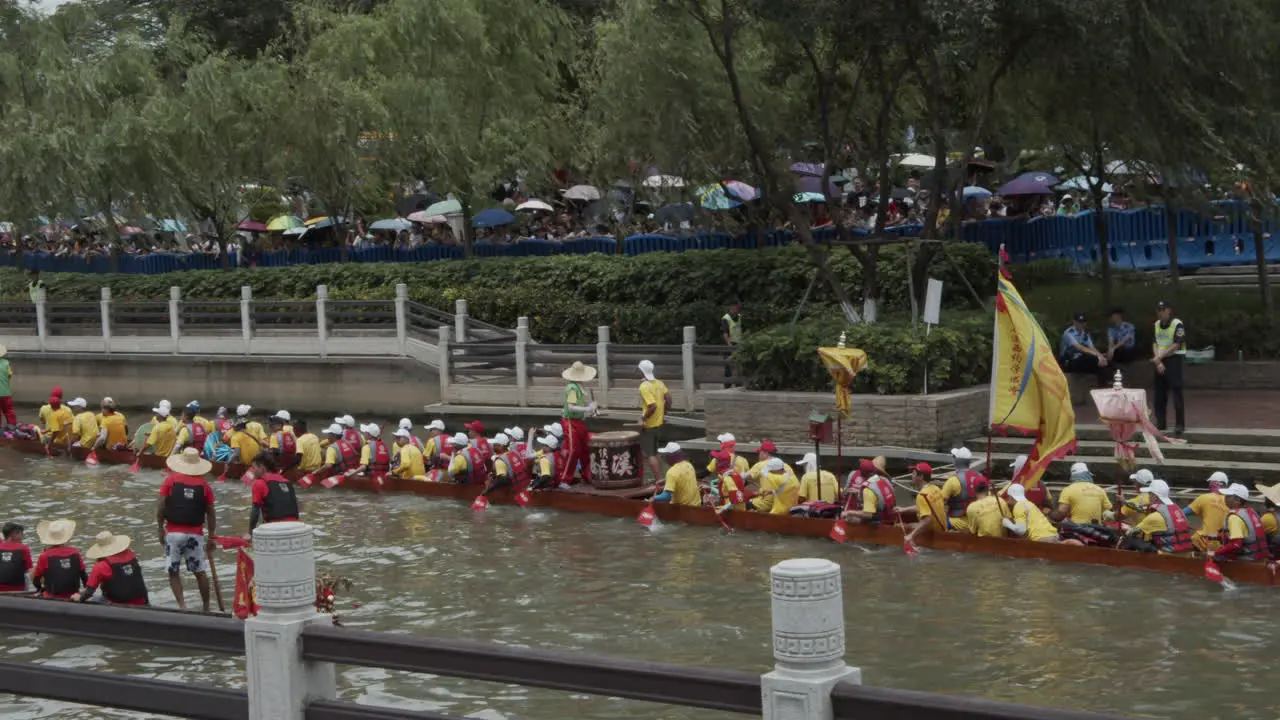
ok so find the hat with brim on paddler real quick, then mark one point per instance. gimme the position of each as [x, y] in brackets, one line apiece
[189, 462]
[579, 372]
[106, 544]
[1270, 492]
[56, 532]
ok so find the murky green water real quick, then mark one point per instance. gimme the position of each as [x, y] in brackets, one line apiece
[1064, 636]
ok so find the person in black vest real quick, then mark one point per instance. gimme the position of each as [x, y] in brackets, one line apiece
[60, 570]
[183, 514]
[273, 497]
[15, 559]
[117, 571]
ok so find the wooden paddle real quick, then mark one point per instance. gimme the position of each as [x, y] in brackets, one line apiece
[137, 464]
[213, 575]
[907, 547]
[92, 459]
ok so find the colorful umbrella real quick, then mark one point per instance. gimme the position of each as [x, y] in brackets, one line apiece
[322, 221]
[284, 222]
[394, 224]
[808, 169]
[843, 363]
[582, 192]
[422, 217]
[664, 181]
[1031, 183]
[444, 207]
[726, 195]
[252, 226]
[492, 218]
[534, 205]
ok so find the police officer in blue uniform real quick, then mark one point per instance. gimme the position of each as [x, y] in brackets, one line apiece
[1077, 353]
[1168, 353]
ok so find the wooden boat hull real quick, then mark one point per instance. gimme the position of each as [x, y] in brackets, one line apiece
[618, 505]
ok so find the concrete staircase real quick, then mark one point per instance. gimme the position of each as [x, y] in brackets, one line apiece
[1246, 456]
[1241, 277]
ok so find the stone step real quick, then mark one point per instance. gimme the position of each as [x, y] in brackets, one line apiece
[1198, 436]
[1232, 270]
[1088, 450]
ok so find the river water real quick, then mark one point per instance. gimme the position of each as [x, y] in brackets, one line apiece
[1065, 636]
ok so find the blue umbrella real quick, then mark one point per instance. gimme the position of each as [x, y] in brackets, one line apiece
[809, 197]
[492, 218]
[1032, 183]
[394, 224]
[973, 191]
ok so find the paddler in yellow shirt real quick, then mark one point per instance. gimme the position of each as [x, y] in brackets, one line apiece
[1082, 502]
[783, 490]
[253, 427]
[544, 462]
[410, 465]
[164, 432]
[244, 446]
[681, 484]
[727, 459]
[758, 474]
[985, 516]
[84, 426]
[1271, 516]
[55, 419]
[1028, 521]
[113, 427]
[931, 507]
[1135, 506]
[1211, 508]
[1037, 493]
[727, 493]
[309, 451]
[817, 486]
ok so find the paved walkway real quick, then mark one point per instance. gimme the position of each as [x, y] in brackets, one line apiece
[1217, 409]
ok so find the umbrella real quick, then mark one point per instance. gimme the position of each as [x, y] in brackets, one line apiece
[395, 224]
[973, 191]
[296, 230]
[1082, 183]
[322, 221]
[809, 197]
[918, 160]
[678, 212]
[170, 226]
[726, 195]
[410, 204]
[1031, 183]
[130, 230]
[535, 205]
[664, 181]
[492, 218]
[810, 184]
[810, 169]
[284, 222]
[444, 207]
[252, 226]
[582, 192]
[422, 217]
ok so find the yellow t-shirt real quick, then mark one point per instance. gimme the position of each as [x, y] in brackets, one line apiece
[758, 473]
[653, 392]
[826, 490]
[255, 429]
[543, 461]
[870, 501]
[930, 504]
[762, 502]
[786, 493]
[1038, 526]
[1270, 524]
[985, 516]
[331, 456]
[682, 483]
[55, 421]
[117, 428]
[1135, 507]
[728, 487]
[1212, 511]
[459, 467]
[1086, 501]
[84, 428]
[164, 434]
[309, 449]
[206, 424]
[247, 445]
[366, 453]
[1236, 529]
[1152, 524]
[411, 463]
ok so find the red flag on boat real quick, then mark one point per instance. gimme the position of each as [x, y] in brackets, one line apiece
[246, 595]
[307, 480]
[227, 542]
[523, 498]
[92, 459]
[839, 532]
[647, 516]
[1212, 571]
[331, 481]
[480, 503]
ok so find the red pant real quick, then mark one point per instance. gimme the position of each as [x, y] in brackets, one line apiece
[6, 410]
[577, 450]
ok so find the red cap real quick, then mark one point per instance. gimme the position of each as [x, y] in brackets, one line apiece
[475, 425]
[923, 468]
[867, 468]
[768, 446]
[57, 392]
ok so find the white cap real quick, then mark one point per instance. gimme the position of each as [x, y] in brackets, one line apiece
[500, 439]
[434, 425]
[1017, 492]
[809, 460]
[1237, 490]
[406, 423]
[1080, 469]
[550, 441]
[1160, 489]
[1017, 464]
[402, 433]
[1220, 478]
[334, 429]
[775, 465]
[962, 453]
[107, 401]
[78, 402]
[162, 408]
[371, 429]
[284, 415]
[1143, 477]
[646, 369]
[515, 433]
[670, 448]
[346, 420]
[554, 429]
[460, 440]
[723, 438]
[243, 410]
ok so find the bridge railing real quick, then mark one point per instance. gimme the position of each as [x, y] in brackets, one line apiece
[291, 652]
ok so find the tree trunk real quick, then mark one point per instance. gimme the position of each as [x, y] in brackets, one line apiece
[1264, 278]
[1104, 249]
[1171, 231]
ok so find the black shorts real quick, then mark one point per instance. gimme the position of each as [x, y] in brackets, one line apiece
[649, 441]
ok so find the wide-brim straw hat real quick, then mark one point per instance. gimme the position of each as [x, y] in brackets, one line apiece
[106, 544]
[189, 462]
[579, 372]
[1270, 492]
[56, 532]
[3, 351]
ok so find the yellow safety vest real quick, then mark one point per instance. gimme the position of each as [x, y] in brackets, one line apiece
[34, 288]
[1165, 337]
[735, 328]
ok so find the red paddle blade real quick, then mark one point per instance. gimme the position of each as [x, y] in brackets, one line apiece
[647, 516]
[522, 498]
[331, 481]
[737, 498]
[136, 466]
[480, 503]
[909, 549]
[48, 452]
[92, 460]
[1212, 571]
[223, 476]
[247, 477]
[307, 480]
[839, 532]
[379, 480]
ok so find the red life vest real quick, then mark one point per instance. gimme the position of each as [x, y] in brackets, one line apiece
[414, 441]
[197, 434]
[475, 465]
[1036, 495]
[1178, 538]
[518, 469]
[1255, 539]
[288, 444]
[352, 436]
[444, 453]
[486, 452]
[348, 456]
[854, 485]
[224, 426]
[733, 496]
[379, 459]
[564, 470]
[957, 505]
[887, 508]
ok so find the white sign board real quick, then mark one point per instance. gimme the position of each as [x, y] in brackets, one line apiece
[933, 302]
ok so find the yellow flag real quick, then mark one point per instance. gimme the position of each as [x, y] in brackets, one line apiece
[1029, 392]
[843, 363]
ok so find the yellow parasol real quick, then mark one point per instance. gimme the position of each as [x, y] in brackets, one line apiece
[843, 363]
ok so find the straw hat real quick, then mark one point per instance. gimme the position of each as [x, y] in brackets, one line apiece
[3, 351]
[189, 462]
[579, 372]
[106, 545]
[56, 532]
[1270, 492]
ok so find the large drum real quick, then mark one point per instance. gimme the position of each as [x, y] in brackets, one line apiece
[616, 462]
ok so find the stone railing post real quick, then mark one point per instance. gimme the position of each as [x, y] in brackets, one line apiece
[42, 317]
[322, 327]
[105, 303]
[280, 682]
[602, 365]
[522, 361]
[246, 316]
[808, 641]
[460, 320]
[175, 317]
[402, 317]
[442, 354]
[687, 367]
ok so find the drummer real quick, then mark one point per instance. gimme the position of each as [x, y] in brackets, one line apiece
[577, 408]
